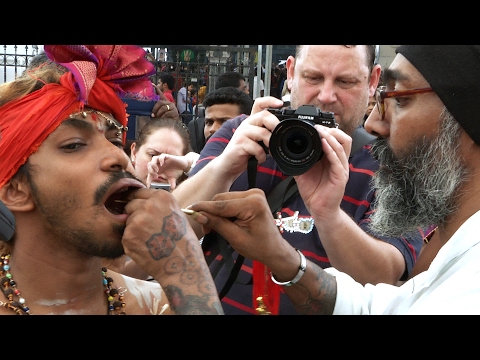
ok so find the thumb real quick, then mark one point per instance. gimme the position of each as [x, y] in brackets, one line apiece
[173, 183]
[149, 180]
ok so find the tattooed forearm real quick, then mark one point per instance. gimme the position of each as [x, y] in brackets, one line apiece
[186, 262]
[320, 299]
[190, 272]
[183, 304]
[161, 244]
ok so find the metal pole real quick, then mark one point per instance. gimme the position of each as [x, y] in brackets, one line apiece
[268, 69]
[259, 73]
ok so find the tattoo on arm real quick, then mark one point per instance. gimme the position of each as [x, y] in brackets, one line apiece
[188, 266]
[323, 301]
[162, 244]
[190, 304]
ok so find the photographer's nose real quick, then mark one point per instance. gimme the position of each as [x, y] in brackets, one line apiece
[326, 94]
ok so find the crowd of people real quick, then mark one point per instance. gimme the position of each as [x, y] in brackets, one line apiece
[382, 224]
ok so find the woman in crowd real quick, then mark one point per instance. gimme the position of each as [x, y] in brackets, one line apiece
[162, 152]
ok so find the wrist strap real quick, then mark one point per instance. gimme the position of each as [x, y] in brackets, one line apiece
[301, 271]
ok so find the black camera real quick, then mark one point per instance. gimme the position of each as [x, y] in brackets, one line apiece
[295, 143]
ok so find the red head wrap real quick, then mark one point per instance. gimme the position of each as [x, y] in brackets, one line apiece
[99, 75]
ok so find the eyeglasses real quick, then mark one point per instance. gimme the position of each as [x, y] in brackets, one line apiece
[381, 95]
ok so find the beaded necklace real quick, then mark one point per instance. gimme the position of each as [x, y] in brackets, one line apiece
[115, 296]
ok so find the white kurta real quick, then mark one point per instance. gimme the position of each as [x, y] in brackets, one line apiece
[450, 286]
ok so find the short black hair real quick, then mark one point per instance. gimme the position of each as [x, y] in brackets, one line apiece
[229, 78]
[168, 79]
[229, 95]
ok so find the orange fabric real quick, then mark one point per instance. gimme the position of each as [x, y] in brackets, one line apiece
[26, 122]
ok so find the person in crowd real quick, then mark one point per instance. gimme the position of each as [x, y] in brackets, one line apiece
[160, 142]
[260, 92]
[183, 101]
[198, 109]
[232, 78]
[371, 104]
[286, 95]
[223, 104]
[193, 101]
[166, 84]
[285, 91]
[76, 201]
[428, 169]
[334, 78]
[274, 76]
[281, 78]
[195, 127]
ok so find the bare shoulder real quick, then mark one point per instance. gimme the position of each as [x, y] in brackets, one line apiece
[141, 297]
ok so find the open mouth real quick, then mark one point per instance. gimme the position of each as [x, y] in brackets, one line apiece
[117, 201]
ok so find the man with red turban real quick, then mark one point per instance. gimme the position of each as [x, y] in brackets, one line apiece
[71, 188]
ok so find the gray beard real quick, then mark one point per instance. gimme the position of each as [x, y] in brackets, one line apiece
[421, 188]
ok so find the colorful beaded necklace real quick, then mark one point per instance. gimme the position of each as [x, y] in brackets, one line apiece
[115, 296]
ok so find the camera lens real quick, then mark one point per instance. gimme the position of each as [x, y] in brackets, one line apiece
[295, 145]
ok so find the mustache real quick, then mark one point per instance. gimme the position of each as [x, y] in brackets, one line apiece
[112, 179]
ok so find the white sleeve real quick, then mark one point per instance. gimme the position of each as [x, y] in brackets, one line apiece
[355, 299]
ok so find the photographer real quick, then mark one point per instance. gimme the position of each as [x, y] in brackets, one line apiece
[334, 78]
